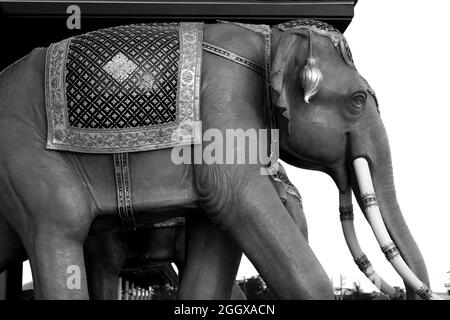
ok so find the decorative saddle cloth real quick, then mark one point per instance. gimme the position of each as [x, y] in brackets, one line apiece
[125, 89]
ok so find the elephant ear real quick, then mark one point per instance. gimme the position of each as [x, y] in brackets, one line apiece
[279, 62]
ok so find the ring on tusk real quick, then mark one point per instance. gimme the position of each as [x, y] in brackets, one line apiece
[346, 213]
[424, 292]
[363, 263]
[390, 251]
[368, 200]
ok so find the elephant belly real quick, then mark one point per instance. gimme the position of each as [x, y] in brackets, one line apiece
[159, 189]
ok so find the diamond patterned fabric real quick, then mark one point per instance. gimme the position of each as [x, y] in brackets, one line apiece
[123, 77]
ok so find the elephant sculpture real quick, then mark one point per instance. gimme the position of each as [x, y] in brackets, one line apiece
[297, 78]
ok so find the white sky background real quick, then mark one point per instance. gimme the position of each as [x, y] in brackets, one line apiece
[401, 48]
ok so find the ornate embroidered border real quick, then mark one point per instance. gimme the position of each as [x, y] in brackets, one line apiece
[123, 185]
[282, 177]
[174, 222]
[185, 130]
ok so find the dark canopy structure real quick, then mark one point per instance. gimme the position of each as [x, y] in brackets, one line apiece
[28, 24]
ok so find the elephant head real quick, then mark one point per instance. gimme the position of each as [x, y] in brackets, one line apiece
[329, 121]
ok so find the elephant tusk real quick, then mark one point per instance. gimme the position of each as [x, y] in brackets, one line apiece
[348, 228]
[373, 216]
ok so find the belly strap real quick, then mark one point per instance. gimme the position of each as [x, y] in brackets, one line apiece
[123, 187]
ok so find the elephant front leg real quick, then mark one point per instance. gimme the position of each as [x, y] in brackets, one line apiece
[246, 205]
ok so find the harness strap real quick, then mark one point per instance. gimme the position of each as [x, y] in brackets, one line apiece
[224, 53]
[123, 187]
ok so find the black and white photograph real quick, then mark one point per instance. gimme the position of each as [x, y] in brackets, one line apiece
[238, 152]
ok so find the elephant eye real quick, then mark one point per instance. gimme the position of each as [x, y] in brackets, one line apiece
[359, 98]
[358, 101]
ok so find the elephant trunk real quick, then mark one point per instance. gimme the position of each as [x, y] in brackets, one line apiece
[378, 201]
